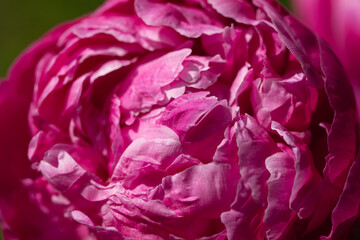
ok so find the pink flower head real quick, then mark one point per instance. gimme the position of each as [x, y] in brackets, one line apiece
[185, 119]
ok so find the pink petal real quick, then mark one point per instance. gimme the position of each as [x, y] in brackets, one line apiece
[307, 180]
[278, 216]
[188, 21]
[244, 220]
[146, 85]
[241, 11]
[203, 191]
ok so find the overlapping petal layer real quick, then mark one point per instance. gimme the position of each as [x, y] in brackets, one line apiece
[185, 119]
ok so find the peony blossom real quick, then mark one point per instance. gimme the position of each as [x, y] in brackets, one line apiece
[176, 120]
[338, 22]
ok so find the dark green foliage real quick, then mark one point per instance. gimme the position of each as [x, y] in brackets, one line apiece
[24, 21]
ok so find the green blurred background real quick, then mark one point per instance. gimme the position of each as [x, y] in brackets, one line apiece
[24, 21]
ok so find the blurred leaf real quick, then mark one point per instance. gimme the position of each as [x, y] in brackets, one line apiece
[24, 21]
[286, 3]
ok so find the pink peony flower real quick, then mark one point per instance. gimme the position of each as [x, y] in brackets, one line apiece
[338, 22]
[179, 120]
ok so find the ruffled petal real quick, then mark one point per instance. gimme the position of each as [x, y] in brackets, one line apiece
[203, 191]
[199, 121]
[244, 220]
[241, 11]
[63, 171]
[346, 210]
[278, 216]
[307, 180]
[188, 21]
[146, 159]
[146, 85]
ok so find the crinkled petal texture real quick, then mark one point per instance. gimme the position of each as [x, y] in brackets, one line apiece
[185, 119]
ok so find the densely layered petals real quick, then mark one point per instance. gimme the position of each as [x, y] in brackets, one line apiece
[188, 119]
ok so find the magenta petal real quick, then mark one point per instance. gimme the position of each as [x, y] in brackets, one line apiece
[146, 85]
[202, 191]
[190, 22]
[288, 101]
[278, 216]
[244, 220]
[344, 125]
[307, 180]
[182, 114]
[252, 163]
[103, 233]
[317, 15]
[347, 209]
[341, 135]
[61, 169]
[144, 161]
[199, 121]
[227, 151]
[201, 72]
[241, 11]
[300, 41]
